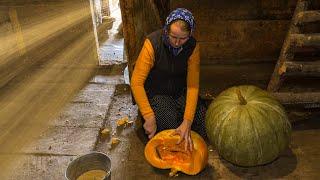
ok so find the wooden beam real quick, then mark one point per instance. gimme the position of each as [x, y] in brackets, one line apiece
[301, 40]
[307, 99]
[302, 68]
[233, 61]
[139, 18]
[287, 49]
[307, 17]
[163, 8]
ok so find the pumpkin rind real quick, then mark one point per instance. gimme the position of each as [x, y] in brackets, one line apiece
[198, 157]
[248, 134]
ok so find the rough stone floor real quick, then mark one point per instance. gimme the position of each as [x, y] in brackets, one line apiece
[105, 100]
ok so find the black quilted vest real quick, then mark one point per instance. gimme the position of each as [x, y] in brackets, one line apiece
[169, 73]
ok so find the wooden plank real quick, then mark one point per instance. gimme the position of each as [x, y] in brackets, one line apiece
[211, 51]
[235, 61]
[218, 77]
[307, 17]
[242, 31]
[286, 51]
[301, 40]
[308, 99]
[241, 39]
[302, 68]
[237, 10]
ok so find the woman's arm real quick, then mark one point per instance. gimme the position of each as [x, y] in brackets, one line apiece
[192, 84]
[184, 130]
[140, 73]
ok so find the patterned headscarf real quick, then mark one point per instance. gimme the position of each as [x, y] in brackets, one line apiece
[182, 14]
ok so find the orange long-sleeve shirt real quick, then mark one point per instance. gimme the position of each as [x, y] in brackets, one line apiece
[141, 71]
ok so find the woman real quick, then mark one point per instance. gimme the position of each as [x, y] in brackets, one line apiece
[165, 80]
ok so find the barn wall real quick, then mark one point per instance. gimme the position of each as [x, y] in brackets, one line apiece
[47, 54]
[240, 41]
[242, 30]
[34, 32]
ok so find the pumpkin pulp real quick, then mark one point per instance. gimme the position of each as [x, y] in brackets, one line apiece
[173, 152]
[162, 151]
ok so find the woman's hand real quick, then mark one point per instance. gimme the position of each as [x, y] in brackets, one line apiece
[184, 130]
[150, 126]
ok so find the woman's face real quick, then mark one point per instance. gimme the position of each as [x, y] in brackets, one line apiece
[177, 37]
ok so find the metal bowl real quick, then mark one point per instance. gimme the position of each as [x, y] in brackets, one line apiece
[87, 162]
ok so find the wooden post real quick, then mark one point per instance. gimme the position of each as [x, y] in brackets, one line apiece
[139, 18]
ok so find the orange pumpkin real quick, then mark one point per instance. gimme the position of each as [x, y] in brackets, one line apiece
[162, 151]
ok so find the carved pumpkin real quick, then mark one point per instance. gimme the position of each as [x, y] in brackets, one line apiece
[163, 152]
[247, 126]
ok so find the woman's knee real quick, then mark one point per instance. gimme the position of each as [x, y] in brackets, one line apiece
[166, 116]
[168, 120]
[200, 113]
[165, 111]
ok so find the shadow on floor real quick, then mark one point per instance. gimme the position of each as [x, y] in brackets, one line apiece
[279, 168]
[313, 122]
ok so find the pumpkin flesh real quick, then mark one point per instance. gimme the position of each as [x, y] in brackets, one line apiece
[173, 153]
[163, 152]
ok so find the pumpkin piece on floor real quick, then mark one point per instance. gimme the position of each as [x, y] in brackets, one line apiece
[162, 151]
[114, 142]
[247, 126]
[123, 121]
[105, 133]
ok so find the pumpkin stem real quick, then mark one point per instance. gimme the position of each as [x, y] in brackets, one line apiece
[173, 172]
[241, 98]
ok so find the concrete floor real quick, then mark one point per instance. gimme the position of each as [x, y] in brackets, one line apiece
[105, 100]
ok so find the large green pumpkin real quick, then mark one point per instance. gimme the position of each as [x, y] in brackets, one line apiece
[247, 126]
